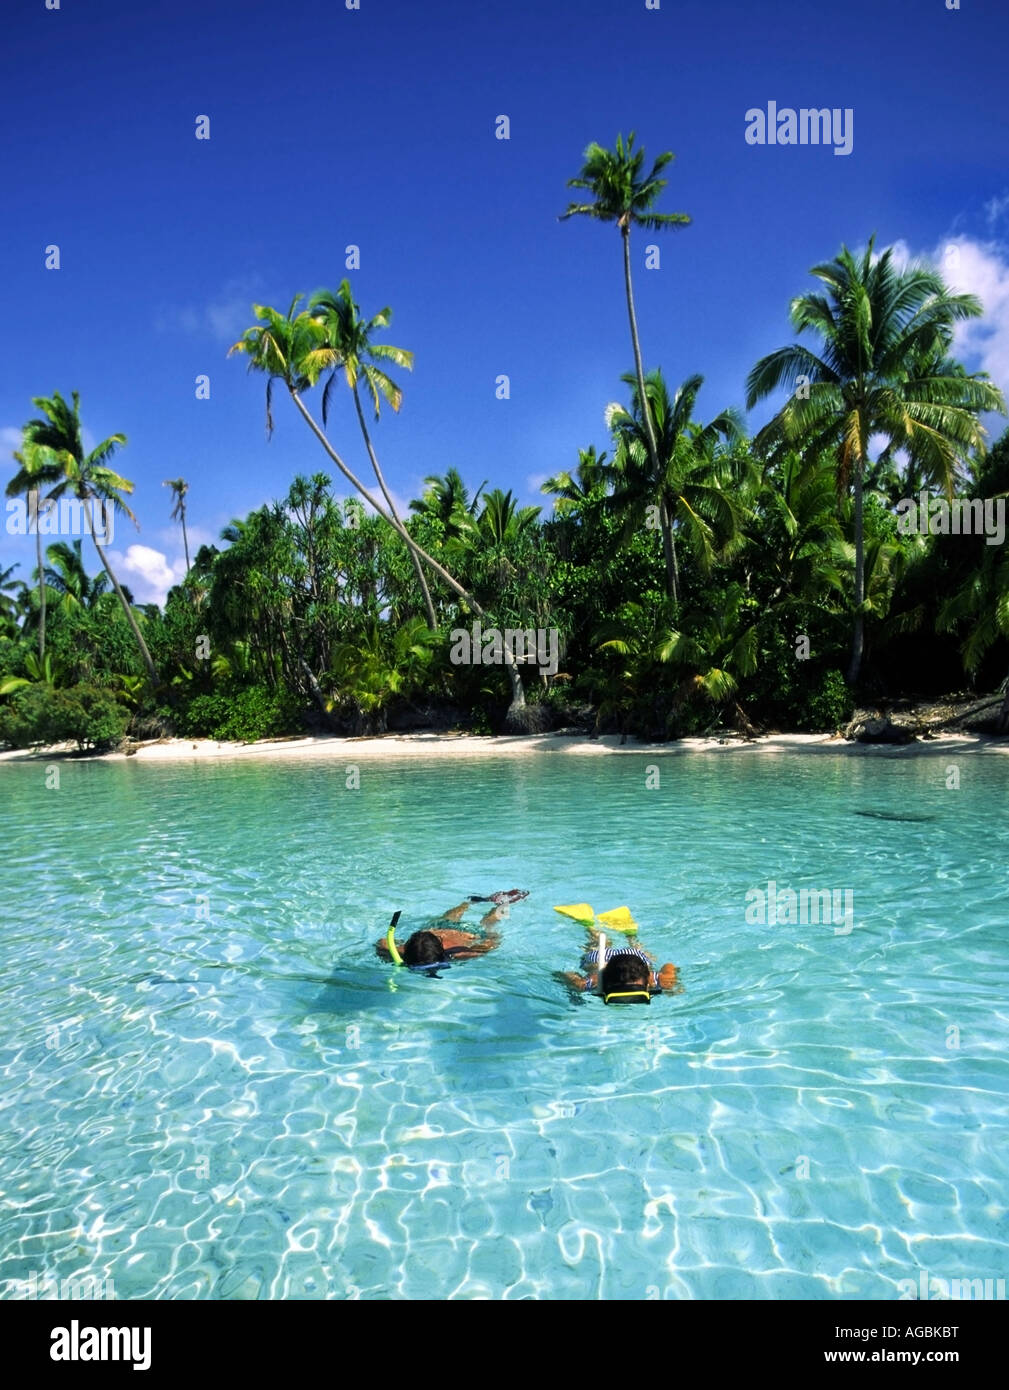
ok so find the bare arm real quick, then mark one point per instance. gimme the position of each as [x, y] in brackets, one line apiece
[577, 984]
[668, 977]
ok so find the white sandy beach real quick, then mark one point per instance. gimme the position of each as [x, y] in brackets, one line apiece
[504, 746]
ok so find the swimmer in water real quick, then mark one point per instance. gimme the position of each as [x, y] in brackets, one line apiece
[628, 974]
[443, 944]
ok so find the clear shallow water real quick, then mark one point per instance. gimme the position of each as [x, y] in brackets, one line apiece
[212, 1088]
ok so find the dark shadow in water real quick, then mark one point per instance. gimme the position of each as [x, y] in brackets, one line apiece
[893, 815]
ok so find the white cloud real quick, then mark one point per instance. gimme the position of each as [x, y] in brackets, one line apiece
[981, 268]
[147, 572]
[224, 318]
[995, 209]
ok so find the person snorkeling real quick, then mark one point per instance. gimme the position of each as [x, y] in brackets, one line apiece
[628, 974]
[441, 944]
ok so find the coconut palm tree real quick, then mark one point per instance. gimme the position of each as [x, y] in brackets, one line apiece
[292, 348]
[447, 501]
[36, 470]
[496, 547]
[88, 477]
[687, 482]
[179, 488]
[574, 490]
[350, 337]
[881, 368]
[503, 521]
[620, 194]
[66, 574]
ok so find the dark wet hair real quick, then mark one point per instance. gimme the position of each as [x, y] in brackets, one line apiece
[423, 948]
[625, 971]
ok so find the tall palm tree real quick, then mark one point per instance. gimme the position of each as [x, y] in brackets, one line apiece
[88, 477]
[350, 337]
[621, 195]
[36, 469]
[692, 484]
[882, 368]
[292, 348]
[179, 488]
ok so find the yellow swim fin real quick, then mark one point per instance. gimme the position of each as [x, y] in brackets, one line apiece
[619, 919]
[581, 912]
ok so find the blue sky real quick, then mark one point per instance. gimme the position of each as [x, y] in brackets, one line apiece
[376, 127]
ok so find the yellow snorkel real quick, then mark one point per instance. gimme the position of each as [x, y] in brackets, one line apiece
[390, 939]
[615, 994]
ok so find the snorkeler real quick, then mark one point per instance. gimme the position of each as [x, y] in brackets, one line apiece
[443, 945]
[628, 974]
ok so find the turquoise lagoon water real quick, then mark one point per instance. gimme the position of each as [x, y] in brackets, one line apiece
[212, 1089]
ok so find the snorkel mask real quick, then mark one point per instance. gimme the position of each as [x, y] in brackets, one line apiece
[397, 959]
[624, 996]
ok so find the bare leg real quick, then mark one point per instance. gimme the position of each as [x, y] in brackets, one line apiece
[454, 914]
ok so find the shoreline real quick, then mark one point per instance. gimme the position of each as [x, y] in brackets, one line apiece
[441, 745]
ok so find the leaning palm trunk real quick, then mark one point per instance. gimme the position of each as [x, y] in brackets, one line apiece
[515, 680]
[145, 654]
[858, 634]
[432, 621]
[314, 687]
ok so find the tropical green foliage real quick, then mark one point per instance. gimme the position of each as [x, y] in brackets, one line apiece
[695, 578]
[41, 714]
[882, 368]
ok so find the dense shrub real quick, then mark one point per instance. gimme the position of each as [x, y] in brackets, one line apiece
[830, 706]
[253, 713]
[81, 714]
[202, 716]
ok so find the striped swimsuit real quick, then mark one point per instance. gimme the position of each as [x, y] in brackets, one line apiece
[591, 958]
